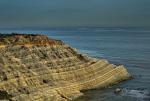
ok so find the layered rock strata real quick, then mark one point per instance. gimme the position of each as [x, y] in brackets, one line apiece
[37, 68]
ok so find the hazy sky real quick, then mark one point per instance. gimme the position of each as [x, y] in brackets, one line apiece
[47, 13]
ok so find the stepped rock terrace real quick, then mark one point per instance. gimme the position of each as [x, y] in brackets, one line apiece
[37, 68]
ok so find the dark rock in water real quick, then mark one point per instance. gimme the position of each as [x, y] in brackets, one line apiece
[118, 90]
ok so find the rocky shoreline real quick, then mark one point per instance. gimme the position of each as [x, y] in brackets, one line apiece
[36, 68]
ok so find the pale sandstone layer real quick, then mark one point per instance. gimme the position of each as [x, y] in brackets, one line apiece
[36, 68]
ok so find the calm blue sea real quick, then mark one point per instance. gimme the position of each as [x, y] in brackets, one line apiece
[128, 46]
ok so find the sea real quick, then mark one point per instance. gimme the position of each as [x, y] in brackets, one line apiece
[129, 46]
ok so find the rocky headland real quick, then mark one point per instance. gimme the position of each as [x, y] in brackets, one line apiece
[37, 68]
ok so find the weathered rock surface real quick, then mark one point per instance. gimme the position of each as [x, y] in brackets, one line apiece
[36, 68]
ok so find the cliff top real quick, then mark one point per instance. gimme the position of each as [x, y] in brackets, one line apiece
[21, 39]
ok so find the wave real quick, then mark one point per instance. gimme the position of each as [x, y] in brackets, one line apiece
[137, 93]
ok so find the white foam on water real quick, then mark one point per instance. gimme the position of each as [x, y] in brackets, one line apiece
[138, 93]
[92, 53]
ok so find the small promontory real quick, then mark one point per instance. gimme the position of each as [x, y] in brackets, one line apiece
[34, 67]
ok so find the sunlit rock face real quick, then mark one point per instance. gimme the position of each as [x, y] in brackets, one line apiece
[37, 68]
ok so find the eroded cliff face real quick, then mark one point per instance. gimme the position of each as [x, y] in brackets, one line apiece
[36, 68]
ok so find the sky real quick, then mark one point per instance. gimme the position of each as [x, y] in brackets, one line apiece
[51, 13]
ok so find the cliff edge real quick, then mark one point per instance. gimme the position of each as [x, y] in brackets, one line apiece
[37, 68]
